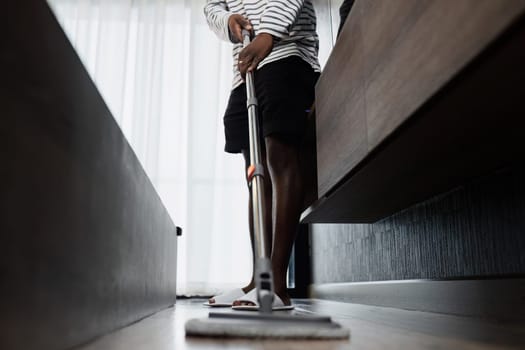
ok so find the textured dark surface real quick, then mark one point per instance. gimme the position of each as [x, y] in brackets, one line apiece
[87, 245]
[476, 230]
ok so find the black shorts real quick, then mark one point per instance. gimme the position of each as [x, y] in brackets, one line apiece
[285, 93]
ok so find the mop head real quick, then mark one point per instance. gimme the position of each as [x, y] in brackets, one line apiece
[255, 325]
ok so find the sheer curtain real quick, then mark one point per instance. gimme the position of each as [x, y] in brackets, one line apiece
[166, 78]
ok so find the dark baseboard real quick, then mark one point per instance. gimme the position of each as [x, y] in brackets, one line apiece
[501, 299]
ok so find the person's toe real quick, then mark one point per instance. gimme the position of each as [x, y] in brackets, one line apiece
[243, 303]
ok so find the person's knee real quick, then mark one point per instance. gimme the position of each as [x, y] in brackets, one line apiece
[282, 155]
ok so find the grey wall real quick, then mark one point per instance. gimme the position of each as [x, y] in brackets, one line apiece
[476, 230]
[86, 244]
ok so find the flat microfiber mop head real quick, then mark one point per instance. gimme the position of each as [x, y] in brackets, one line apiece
[254, 325]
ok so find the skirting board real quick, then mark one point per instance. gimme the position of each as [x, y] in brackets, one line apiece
[498, 299]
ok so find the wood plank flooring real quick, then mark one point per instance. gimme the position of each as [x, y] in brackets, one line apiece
[371, 328]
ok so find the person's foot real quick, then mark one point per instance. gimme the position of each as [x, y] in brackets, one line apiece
[249, 302]
[227, 298]
[284, 296]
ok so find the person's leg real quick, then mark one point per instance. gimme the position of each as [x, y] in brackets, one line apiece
[236, 136]
[284, 196]
[285, 90]
[251, 285]
[268, 216]
[284, 169]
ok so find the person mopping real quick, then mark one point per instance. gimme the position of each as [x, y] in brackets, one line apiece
[280, 68]
[283, 58]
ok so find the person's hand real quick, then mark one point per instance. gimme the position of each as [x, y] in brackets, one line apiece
[236, 23]
[254, 53]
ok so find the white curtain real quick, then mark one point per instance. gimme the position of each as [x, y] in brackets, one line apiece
[166, 79]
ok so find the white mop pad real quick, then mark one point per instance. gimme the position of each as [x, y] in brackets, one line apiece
[251, 325]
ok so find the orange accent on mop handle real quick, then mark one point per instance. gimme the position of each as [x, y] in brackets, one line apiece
[255, 170]
[250, 172]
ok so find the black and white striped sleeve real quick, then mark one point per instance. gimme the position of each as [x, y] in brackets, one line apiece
[217, 15]
[279, 16]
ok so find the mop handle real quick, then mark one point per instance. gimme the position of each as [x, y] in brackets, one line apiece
[255, 172]
[251, 104]
[246, 37]
[263, 268]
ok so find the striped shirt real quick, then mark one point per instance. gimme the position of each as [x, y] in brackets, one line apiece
[292, 23]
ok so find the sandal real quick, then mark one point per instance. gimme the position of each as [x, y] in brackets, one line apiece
[226, 299]
[251, 297]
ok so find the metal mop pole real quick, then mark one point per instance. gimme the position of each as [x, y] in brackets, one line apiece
[263, 267]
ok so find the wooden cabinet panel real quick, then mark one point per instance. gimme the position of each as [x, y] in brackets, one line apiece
[340, 108]
[382, 142]
[414, 47]
[472, 127]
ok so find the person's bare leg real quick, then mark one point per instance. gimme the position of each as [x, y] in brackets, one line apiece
[251, 285]
[268, 211]
[268, 216]
[287, 194]
[284, 168]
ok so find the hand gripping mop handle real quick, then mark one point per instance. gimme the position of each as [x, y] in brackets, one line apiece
[263, 267]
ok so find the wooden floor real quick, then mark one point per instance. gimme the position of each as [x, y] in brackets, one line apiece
[371, 328]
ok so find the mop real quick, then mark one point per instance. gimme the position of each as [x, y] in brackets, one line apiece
[264, 323]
